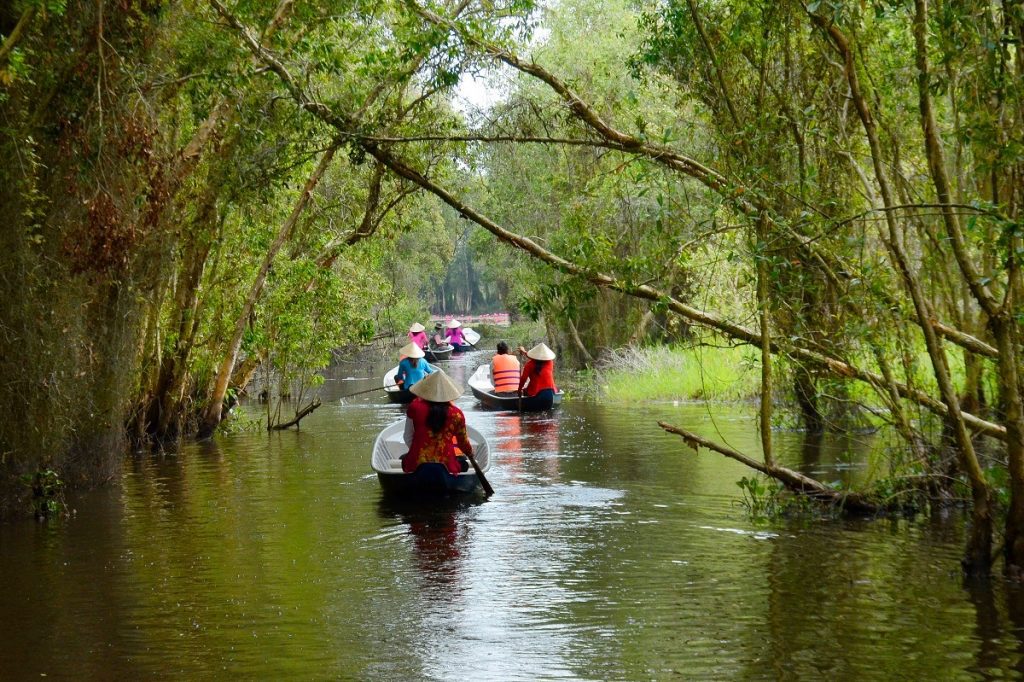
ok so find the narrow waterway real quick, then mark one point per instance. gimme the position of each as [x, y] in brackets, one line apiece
[609, 551]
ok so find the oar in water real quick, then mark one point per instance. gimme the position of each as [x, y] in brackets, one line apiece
[370, 390]
[488, 490]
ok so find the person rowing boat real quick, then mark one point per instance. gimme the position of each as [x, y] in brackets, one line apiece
[435, 430]
[412, 368]
[538, 375]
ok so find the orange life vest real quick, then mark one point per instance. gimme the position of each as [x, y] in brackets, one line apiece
[505, 373]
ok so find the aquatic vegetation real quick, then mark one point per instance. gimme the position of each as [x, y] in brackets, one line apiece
[47, 489]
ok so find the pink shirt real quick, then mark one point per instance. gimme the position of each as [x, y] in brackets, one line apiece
[419, 338]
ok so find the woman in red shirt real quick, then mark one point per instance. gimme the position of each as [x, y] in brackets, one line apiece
[538, 373]
[434, 426]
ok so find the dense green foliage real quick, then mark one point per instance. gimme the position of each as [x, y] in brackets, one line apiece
[146, 176]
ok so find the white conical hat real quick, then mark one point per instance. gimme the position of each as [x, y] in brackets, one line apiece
[540, 352]
[416, 327]
[437, 387]
[453, 324]
[411, 350]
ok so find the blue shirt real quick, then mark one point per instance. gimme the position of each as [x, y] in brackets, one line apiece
[408, 375]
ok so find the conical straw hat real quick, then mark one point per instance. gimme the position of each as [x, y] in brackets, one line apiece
[540, 352]
[411, 350]
[437, 387]
[416, 327]
[453, 324]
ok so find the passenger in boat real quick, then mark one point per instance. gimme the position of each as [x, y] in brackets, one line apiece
[418, 335]
[412, 367]
[454, 333]
[435, 430]
[438, 340]
[538, 375]
[504, 370]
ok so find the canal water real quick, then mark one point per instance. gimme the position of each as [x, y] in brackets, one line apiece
[609, 552]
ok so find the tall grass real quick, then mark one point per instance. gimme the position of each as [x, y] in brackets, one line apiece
[680, 373]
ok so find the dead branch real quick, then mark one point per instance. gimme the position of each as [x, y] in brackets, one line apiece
[849, 502]
[307, 410]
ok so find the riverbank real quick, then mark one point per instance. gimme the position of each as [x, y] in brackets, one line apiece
[667, 373]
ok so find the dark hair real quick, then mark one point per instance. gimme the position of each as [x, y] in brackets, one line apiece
[538, 365]
[502, 348]
[437, 415]
[415, 362]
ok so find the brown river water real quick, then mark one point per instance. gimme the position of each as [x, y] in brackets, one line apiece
[609, 552]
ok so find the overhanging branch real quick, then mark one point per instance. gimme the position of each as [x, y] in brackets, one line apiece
[399, 167]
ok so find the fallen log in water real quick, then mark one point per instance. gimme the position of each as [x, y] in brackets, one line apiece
[851, 502]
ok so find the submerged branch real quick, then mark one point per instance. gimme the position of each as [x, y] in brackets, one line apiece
[307, 410]
[793, 480]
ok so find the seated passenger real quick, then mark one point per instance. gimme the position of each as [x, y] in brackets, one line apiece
[438, 340]
[412, 367]
[504, 370]
[418, 335]
[434, 426]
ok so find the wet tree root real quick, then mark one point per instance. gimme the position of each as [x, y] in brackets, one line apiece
[849, 502]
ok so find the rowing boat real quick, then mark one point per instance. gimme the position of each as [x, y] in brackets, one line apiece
[435, 354]
[395, 393]
[432, 478]
[482, 387]
[470, 337]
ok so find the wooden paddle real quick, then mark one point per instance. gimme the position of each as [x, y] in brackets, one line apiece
[488, 490]
[369, 390]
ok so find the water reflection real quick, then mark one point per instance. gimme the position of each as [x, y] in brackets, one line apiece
[541, 438]
[610, 551]
[508, 441]
[437, 542]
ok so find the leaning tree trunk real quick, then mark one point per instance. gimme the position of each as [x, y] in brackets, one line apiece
[1000, 319]
[766, 340]
[214, 410]
[978, 556]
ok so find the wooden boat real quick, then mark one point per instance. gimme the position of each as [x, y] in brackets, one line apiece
[482, 387]
[435, 354]
[394, 393]
[428, 479]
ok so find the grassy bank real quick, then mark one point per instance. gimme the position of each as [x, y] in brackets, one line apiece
[676, 373]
